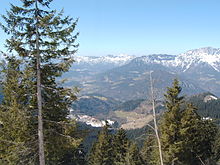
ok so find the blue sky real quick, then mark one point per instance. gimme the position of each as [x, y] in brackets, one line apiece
[140, 27]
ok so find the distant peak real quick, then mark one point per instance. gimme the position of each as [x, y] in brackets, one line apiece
[204, 50]
[110, 59]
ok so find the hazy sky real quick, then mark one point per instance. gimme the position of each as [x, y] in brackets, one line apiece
[140, 27]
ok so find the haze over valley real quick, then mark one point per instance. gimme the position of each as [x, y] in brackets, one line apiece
[117, 87]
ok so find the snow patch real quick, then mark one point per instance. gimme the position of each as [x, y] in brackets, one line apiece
[89, 120]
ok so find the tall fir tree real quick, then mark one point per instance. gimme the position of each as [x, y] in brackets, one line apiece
[15, 140]
[170, 124]
[133, 156]
[216, 147]
[186, 137]
[149, 151]
[198, 137]
[45, 40]
[120, 147]
[102, 150]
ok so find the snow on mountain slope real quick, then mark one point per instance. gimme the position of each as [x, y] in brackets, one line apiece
[202, 58]
[162, 59]
[109, 59]
[207, 55]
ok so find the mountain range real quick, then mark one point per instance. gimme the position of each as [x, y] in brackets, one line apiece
[126, 77]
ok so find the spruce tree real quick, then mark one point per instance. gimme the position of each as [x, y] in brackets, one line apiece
[133, 156]
[15, 140]
[216, 147]
[170, 124]
[102, 150]
[45, 40]
[198, 137]
[149, 151]
[186, 137]
[120, 146]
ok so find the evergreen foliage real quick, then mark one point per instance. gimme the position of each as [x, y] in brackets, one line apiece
[102, 150]
[198, 137]
[133, 156]
[170, 124]
[44, 42]
[16, 126]
[120, 147]
[114, 149]
[149, 152]
[186, 137]
[209, 108]
[27, 24]
[216, 147]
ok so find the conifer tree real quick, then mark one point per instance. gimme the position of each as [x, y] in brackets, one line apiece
[120, 145]
[170, 124]
[102, 151]
[133, 156]
[216, 147]
[186, 137]
[149, 151]
[189, 131]
[198, 137]
[45, 40]
[15, 140]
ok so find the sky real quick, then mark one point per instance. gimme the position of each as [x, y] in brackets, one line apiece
[139, 27]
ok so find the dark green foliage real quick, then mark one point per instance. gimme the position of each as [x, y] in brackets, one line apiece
[216, 147]
[102, 151]
[25, 24]
[95, 105]
[207, 109]
[149, 150]
[170, 124]
[120, 147]
[79, 157]
[133, 156]
[186, 137]
[198, 137]
[114, 149]
[129, 105]
[17, 146]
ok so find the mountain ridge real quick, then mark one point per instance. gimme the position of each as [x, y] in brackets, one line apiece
[126, 77]
[208, 55]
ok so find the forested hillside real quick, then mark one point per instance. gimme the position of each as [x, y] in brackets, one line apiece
[110, 110]
[208, 105]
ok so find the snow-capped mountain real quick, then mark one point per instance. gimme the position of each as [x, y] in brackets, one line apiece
[126, 77]
[109, 59]
[159, 59]
[90, 65]
[208, 56]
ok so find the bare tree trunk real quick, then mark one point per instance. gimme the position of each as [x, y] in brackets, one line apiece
[155, 121]
[39, 94]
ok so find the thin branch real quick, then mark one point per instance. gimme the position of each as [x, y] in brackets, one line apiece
[200, 159]
[151, 127]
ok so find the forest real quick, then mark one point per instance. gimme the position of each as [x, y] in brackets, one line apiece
[34, 123]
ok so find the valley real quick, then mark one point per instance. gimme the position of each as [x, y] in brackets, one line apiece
[117, 87]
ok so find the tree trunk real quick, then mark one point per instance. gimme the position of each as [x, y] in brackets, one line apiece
[155, 121]
[39, 94]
